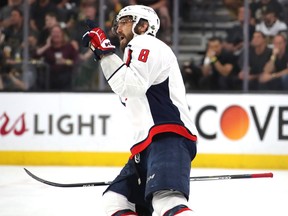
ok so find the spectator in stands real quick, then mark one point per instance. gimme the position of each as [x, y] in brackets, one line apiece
[259, 8]
[276, 69]
[87, 10]
[12, 78]
[233, 6]
[162, 8]
[86, 76]
[38, 11]
[62, 58]
[50, 21]
[259, 55]
[67, 10]
[14, 33]
[6, 11]
[271, 25]
[219, 68]
[234, 39]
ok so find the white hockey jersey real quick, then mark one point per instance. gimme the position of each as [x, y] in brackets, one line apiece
[149, 80]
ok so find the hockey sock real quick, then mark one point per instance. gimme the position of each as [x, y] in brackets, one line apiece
[124, 212]
[177, 210]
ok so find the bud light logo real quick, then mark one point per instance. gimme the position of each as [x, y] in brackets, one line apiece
[12, 126]
[64, 124]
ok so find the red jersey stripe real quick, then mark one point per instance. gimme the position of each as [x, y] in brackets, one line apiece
[158, 129]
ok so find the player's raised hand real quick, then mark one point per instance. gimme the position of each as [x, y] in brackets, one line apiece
[97, 41]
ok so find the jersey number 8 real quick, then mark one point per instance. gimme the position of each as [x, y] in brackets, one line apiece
[143, 56]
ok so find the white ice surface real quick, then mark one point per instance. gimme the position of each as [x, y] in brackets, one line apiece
[20, 195]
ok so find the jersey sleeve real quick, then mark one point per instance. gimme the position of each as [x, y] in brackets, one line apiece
[133, 77]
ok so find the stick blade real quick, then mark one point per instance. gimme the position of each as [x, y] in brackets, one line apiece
[43, 180]
[55, 184]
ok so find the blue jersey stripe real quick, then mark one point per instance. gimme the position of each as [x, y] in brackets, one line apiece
[161, 106]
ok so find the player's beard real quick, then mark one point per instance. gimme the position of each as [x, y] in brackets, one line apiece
[125, 39]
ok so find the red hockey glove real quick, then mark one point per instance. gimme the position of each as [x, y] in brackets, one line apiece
[97, 41]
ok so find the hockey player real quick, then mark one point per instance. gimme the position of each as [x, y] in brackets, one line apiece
[148, 79]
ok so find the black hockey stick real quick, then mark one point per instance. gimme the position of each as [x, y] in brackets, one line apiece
[196, 178]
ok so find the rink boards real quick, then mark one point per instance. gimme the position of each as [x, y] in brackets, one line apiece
[235, 130]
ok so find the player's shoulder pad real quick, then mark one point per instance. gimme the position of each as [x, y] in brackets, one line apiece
[148, 42]
[144, 40]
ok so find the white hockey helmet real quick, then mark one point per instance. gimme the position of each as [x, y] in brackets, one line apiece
[138, 12]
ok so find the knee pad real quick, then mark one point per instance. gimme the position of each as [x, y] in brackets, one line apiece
[116, 204]
[168, 203]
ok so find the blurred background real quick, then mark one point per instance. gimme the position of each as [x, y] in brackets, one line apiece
[59, 117]
[57, 109]
[40, 43]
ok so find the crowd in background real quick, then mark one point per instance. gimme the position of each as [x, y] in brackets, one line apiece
[222, 66]
[58, 61]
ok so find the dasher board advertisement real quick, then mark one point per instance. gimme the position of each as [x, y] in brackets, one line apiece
[229, 125]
